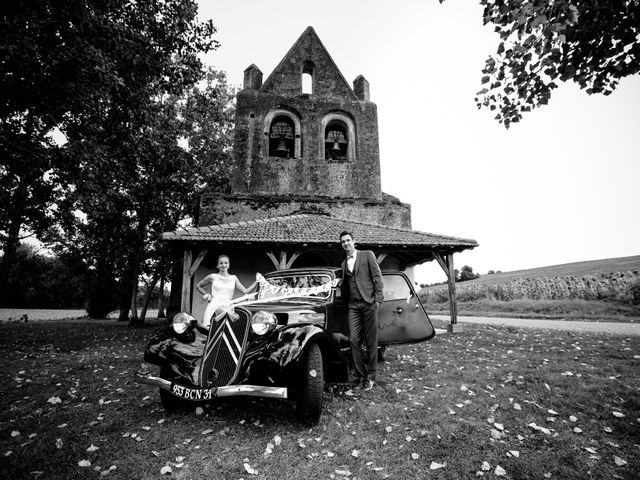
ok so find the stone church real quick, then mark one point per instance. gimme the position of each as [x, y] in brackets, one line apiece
[306, 167]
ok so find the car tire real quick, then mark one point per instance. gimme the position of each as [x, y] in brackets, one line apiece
[311, 384]
[170, 402]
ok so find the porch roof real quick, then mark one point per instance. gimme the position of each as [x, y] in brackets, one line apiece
[309, 229]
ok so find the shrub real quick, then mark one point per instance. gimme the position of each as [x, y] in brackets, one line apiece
[634, 292]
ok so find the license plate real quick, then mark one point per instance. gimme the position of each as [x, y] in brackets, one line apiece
[192, 393]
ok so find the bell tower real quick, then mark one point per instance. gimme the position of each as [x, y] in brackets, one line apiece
[305, 140]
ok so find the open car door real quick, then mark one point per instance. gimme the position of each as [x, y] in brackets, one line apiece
[401, 317]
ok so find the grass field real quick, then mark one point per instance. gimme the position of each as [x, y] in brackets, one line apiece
[591, 267]
[507, 403]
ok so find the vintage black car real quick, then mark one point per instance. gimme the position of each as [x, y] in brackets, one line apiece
[286, 343]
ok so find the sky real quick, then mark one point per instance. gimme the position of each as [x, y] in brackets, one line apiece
[561, 186]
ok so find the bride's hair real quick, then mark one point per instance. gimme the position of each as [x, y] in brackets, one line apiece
[224, 256]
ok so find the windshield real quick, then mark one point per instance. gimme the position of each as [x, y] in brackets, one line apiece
[302, 285]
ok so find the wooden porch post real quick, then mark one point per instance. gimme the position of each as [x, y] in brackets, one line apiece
[188, 271]
[447, 265]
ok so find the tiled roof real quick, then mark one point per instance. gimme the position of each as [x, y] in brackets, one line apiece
[309, 228]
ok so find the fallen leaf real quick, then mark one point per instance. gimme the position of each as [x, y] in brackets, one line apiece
[499, 471]
[514, 453]
[436, 465]
[552, 412]
[355, 453]
[15, 434]
[499, 426]
[590, 450]
[619, 461]
[415, 456]
[250, 471]
[313, 373]
[344, 473]
[516, 406]
[207, 431]
[92, 448]
[199, 411]
[166, 469]
[573, 419]
[84, 463]
[618, 414]
[577, 430]
[59, 443]
[485, 466]
[54, 400]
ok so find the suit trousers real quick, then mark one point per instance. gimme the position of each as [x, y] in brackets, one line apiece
[363, 335]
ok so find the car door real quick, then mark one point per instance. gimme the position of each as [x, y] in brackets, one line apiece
[402, 317]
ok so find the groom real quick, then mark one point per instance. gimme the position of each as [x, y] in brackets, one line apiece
[362, 292]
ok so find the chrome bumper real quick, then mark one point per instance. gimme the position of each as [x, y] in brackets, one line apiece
[208, 393]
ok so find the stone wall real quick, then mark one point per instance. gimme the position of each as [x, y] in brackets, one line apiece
[309, 174]
[216, 209]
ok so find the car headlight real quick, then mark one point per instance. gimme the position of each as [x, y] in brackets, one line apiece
[182, 321]
[263, 322]
[306, 317]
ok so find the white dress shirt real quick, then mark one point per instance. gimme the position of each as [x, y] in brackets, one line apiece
[351, 260]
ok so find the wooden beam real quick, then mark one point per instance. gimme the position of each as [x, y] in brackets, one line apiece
[185, 304]
[452, 290]
[447, 265]
[274, 260]
[380, 258]
[442, 262]
[293, 258]
[197, 262]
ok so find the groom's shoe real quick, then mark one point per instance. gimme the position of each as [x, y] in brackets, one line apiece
[367, 385]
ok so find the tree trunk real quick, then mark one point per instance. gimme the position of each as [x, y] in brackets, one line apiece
[134, 299]
[147, 299]
[8, 260]
[125, 298]
[161, 312]
[175, 297]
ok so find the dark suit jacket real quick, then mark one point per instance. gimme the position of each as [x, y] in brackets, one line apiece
[368, 277]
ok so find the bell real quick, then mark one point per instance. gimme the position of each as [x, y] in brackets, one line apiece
[281, 149]
[335, 150]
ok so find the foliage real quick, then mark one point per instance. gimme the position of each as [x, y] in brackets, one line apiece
[143, 182]
[466, 274]
[45, 281]
[84, 67]
[593, 43]
[621, 286]
[634, 292]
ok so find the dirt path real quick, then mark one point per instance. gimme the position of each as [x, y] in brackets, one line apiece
[565, 325]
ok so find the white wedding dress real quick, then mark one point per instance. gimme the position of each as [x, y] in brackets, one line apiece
[222, 289]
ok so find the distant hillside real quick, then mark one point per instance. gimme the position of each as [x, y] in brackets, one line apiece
[591, 267]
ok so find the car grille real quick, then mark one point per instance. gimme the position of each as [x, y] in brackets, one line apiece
[224, 349]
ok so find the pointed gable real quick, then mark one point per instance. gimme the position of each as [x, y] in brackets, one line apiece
[308, 55]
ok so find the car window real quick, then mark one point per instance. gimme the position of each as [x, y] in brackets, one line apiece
[396, 288]
[304, 285]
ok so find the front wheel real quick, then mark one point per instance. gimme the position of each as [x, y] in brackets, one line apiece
[309, 396]
[171, 403]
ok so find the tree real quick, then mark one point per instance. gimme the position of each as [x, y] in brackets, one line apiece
[466, 273]
[593, 43]
[146, 180]
[46, 281]
[70, 65]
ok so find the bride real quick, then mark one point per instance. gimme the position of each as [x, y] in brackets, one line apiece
[223, 285]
